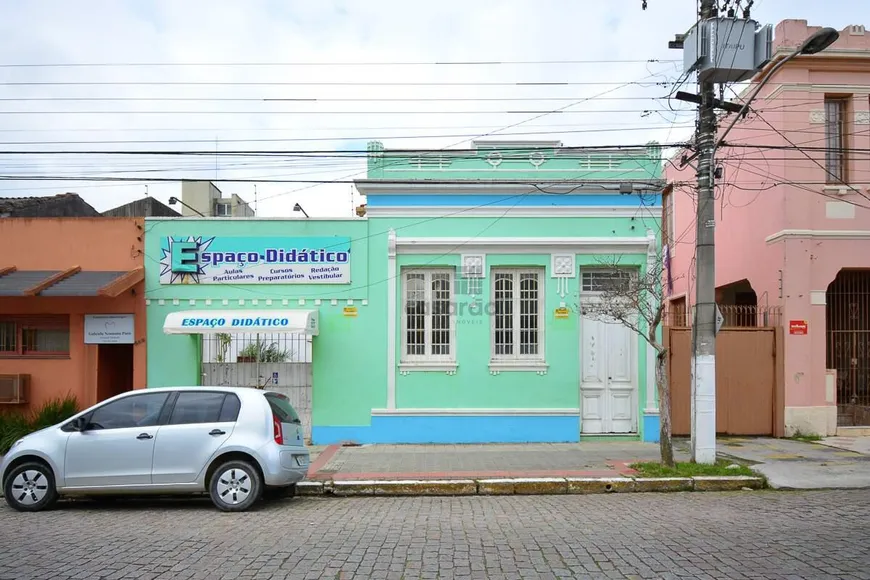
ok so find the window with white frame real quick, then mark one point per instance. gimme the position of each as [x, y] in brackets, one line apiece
[517, 330]
[835, 140]
[427, 324]
[222, 209]
[669, 222]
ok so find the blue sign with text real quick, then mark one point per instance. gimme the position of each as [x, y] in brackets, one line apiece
[249, 260]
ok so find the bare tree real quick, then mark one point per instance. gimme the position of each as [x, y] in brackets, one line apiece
[635, 298]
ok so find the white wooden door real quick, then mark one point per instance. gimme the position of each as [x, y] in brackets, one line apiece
[607, 382]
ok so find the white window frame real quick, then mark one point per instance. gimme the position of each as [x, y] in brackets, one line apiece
[592, 298]
[836, 129]
[631, 271]
[427, 361]
[223, 204]
[517, 361]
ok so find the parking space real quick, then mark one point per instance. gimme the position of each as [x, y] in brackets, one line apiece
[710, 535]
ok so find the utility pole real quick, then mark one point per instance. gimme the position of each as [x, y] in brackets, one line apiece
[704, 335]
[720, 50]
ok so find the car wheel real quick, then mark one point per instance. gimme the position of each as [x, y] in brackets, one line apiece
[235, 486]
[30, 487]
[276, 493]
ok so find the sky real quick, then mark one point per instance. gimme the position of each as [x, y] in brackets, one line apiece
[210, 75]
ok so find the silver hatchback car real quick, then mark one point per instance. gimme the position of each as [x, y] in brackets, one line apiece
[236, 444]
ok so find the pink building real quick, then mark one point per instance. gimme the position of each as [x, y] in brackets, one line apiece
[793, 224]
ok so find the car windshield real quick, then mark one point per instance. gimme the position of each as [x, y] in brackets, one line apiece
[282, 408]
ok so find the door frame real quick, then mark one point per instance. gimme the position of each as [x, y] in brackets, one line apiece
[634, 370]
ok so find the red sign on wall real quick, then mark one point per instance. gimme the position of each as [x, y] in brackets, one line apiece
[797, 327]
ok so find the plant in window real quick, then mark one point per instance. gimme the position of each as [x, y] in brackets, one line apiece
[262, 351]
[223, 344]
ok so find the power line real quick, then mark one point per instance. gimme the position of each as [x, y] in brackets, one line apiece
[803, 185]
[798, 147]
[240, 180]
[811, 158]
[314, 99]
[416, 223]
[327, 63]
[331, 99]
[316, 112]
[297, 128]
[338, 83]
[340, 138]
[564, 152]
[490, 133]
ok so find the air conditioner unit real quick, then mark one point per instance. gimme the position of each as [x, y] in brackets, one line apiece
[14, 389]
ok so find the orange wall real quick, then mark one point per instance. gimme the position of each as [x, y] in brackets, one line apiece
[108, 244]
[59, 243]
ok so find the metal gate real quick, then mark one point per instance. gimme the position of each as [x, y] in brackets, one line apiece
[278, 362]
[848, 344]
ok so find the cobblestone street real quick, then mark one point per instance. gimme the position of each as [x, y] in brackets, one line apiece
[822, 534]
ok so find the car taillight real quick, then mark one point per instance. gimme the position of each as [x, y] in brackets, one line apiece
[279, 435]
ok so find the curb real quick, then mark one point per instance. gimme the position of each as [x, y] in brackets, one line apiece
[526, 486]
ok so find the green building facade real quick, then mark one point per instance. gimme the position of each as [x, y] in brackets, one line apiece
[450, 313]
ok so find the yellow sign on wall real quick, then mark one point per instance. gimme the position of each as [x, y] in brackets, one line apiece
[350, 311]
[562, 312]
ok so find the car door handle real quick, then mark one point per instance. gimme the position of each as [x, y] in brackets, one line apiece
[144, 436]
[217, 432]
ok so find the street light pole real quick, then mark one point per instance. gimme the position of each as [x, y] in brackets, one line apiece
[704, 326]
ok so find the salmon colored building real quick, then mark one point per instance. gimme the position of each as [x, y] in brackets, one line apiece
[72, 309]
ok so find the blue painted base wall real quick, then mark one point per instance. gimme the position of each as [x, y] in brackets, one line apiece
[651, 427]
[455, 429]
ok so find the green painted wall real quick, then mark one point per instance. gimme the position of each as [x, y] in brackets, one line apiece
[473, 386]
[349, 368]
[519, 163]
[495, 227]
[349, 364]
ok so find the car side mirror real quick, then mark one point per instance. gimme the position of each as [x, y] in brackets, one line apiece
[80, 424]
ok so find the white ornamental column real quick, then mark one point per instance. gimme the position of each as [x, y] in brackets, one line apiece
[652, 406]
[392, 287]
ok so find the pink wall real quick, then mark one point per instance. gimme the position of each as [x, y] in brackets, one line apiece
[103, 244]
[767, 191]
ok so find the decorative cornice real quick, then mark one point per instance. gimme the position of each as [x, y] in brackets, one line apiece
[482, 186]
[391, 243]
[516, 212]
[252, 219]
[454, 245]
[816, 88]
[465, 411]
[448, 368]
[652, 246]
[818, 235]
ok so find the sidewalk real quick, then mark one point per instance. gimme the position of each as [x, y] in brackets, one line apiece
[836, 462]
[832, 463]
[536, 460]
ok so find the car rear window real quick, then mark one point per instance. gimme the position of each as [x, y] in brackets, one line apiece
[282, 408]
